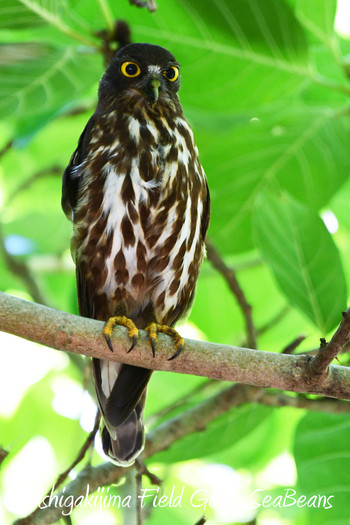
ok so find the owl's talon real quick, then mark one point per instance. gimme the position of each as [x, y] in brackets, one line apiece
[153, 345]
[109, 342]
[134, 341]
[179, 349]
[154, 328]
[121, 320]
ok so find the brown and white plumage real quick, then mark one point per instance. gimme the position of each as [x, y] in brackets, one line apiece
[139, 202]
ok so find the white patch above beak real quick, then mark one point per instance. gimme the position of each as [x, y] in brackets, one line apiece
[153, 69]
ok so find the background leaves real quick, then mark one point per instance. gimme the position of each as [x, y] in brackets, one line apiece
[312, 281]
[265, 87]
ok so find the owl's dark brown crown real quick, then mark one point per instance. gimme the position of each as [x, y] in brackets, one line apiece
[144, 73]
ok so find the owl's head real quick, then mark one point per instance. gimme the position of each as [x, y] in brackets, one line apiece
[147, 70]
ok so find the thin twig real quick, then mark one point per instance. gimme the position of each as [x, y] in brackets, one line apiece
[6, 148]
[114, 39]
[181, 401]
[274, 320]
[314, 351]
[21, 270]
[81, 454]
[231, 279]
[327, 352]
[138, 499]
[289, 349]
[201, 521]
[324, 404]
[53, 170]
[143, 470]
[78, 110]
[3, 454]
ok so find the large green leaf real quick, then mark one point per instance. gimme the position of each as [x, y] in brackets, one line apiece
[303, 257]
[14, 15]
[220, 434]
[237, 36]
[319, 20]
[45, 84]
[22, 14]
[303, 150]
[323, 464]
[224, 47]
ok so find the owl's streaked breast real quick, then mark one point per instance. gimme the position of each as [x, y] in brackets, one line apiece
[142, 245]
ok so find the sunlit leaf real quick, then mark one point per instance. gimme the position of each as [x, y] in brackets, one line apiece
[303, 257]
[35, 86]
[221, 433]
[323, 464]
[303, 151]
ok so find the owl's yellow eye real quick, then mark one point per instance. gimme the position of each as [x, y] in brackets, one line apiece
[130, 69]
[171, 73]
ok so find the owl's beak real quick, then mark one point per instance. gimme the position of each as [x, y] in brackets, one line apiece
[154, 88]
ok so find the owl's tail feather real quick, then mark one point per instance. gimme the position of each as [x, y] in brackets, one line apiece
[121, 395]
[128, 440]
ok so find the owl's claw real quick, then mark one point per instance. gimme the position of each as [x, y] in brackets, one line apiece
[179, 348]
[121, 320]
[109, 342]
[154, 328]
[153, 345]
[134, 341]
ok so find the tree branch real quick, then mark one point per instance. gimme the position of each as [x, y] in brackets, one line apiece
[319, 365]
[331, 406]
[71, 333]
[230, 276]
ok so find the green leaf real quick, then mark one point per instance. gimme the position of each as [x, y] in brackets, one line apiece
[57, 77]
[275, 435]
[304, 151]
[323, 464]
[318, 19]
[221, 433]
[303, 257]
[58, 14]
[14, 15]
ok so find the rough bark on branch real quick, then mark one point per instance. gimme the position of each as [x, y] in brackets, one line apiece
[71, 333]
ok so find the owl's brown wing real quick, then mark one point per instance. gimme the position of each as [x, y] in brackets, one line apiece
[72, 176]
[206, 212]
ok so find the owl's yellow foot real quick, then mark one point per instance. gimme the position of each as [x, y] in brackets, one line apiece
[123, 321]
[154, 328]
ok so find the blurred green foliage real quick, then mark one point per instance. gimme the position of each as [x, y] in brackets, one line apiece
[265, 86]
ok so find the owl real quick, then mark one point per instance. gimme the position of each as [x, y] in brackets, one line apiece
[139, 202]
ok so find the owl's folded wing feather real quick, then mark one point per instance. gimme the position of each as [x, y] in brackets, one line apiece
[72, 175]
